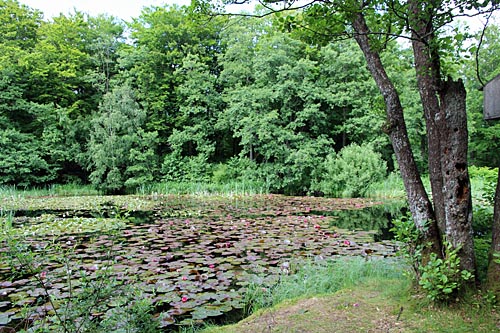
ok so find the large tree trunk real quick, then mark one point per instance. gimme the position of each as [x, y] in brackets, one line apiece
[446, 123]
[494, 268]
[418, 200]
[428, 85]
[456, 193]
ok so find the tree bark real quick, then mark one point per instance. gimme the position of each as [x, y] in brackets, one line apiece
[428, 85]
[418, 200]
[446, 124]
[493, 278]
[455, 176]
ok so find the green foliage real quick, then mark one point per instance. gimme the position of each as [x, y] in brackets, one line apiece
[351, 172]
[23, 163]
[235, 169]
[164, 39]
[486, 178]
[390, 187]
[18, 24]
[185, 168]
[274, 107]
[442, 279]
[482, 249]
[244, 188]
[483, 221]
[484, 135]
[120, 153]
[496, 257]
[407, 233]
[208, 92]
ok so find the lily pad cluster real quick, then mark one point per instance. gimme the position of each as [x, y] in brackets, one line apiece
[192, 256]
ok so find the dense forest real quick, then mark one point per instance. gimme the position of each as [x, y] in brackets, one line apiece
[177, 96]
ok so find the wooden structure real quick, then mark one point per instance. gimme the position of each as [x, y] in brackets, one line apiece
[491, 104]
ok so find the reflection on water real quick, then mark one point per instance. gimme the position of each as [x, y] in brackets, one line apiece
[378, 218]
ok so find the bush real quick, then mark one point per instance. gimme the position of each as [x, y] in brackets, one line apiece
[482, 249]
[235, 169]
[482, 221]
[185, 168]
[442, 279]
[352, 171]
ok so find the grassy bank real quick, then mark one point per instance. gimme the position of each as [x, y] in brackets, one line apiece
[354, 295]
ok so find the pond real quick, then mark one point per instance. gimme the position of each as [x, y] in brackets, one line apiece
[193, 257]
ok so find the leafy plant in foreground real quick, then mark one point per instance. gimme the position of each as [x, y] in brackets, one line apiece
[405, 231]
[443, 278]
[497, 257]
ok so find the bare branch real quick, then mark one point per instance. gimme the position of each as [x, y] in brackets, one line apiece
[479, 47]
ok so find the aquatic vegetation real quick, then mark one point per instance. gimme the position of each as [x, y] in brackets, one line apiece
[192, 256]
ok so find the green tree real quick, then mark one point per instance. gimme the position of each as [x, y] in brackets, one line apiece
[104, 46]
[163, 37]
[346, 88]
[274, 107]
[33, 145]
[22, 164]
[18, 24]
[120, 152]
[193, 141]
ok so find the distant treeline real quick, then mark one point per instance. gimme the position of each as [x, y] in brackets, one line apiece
[174, 96]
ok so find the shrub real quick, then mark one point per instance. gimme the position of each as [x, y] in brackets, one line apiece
[352, 171]
[185, 168]
[407, 233]
[442, 278]
[481, 249]
[483, 221]
[235, 169]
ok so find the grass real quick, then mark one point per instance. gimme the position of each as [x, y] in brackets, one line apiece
[354, 295]
[391, 187]
[208, 188]
[51, 190]
[312, 278]
[175, 188]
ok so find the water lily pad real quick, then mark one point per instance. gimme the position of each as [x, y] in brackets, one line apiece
[5, 318]
[204, 312]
